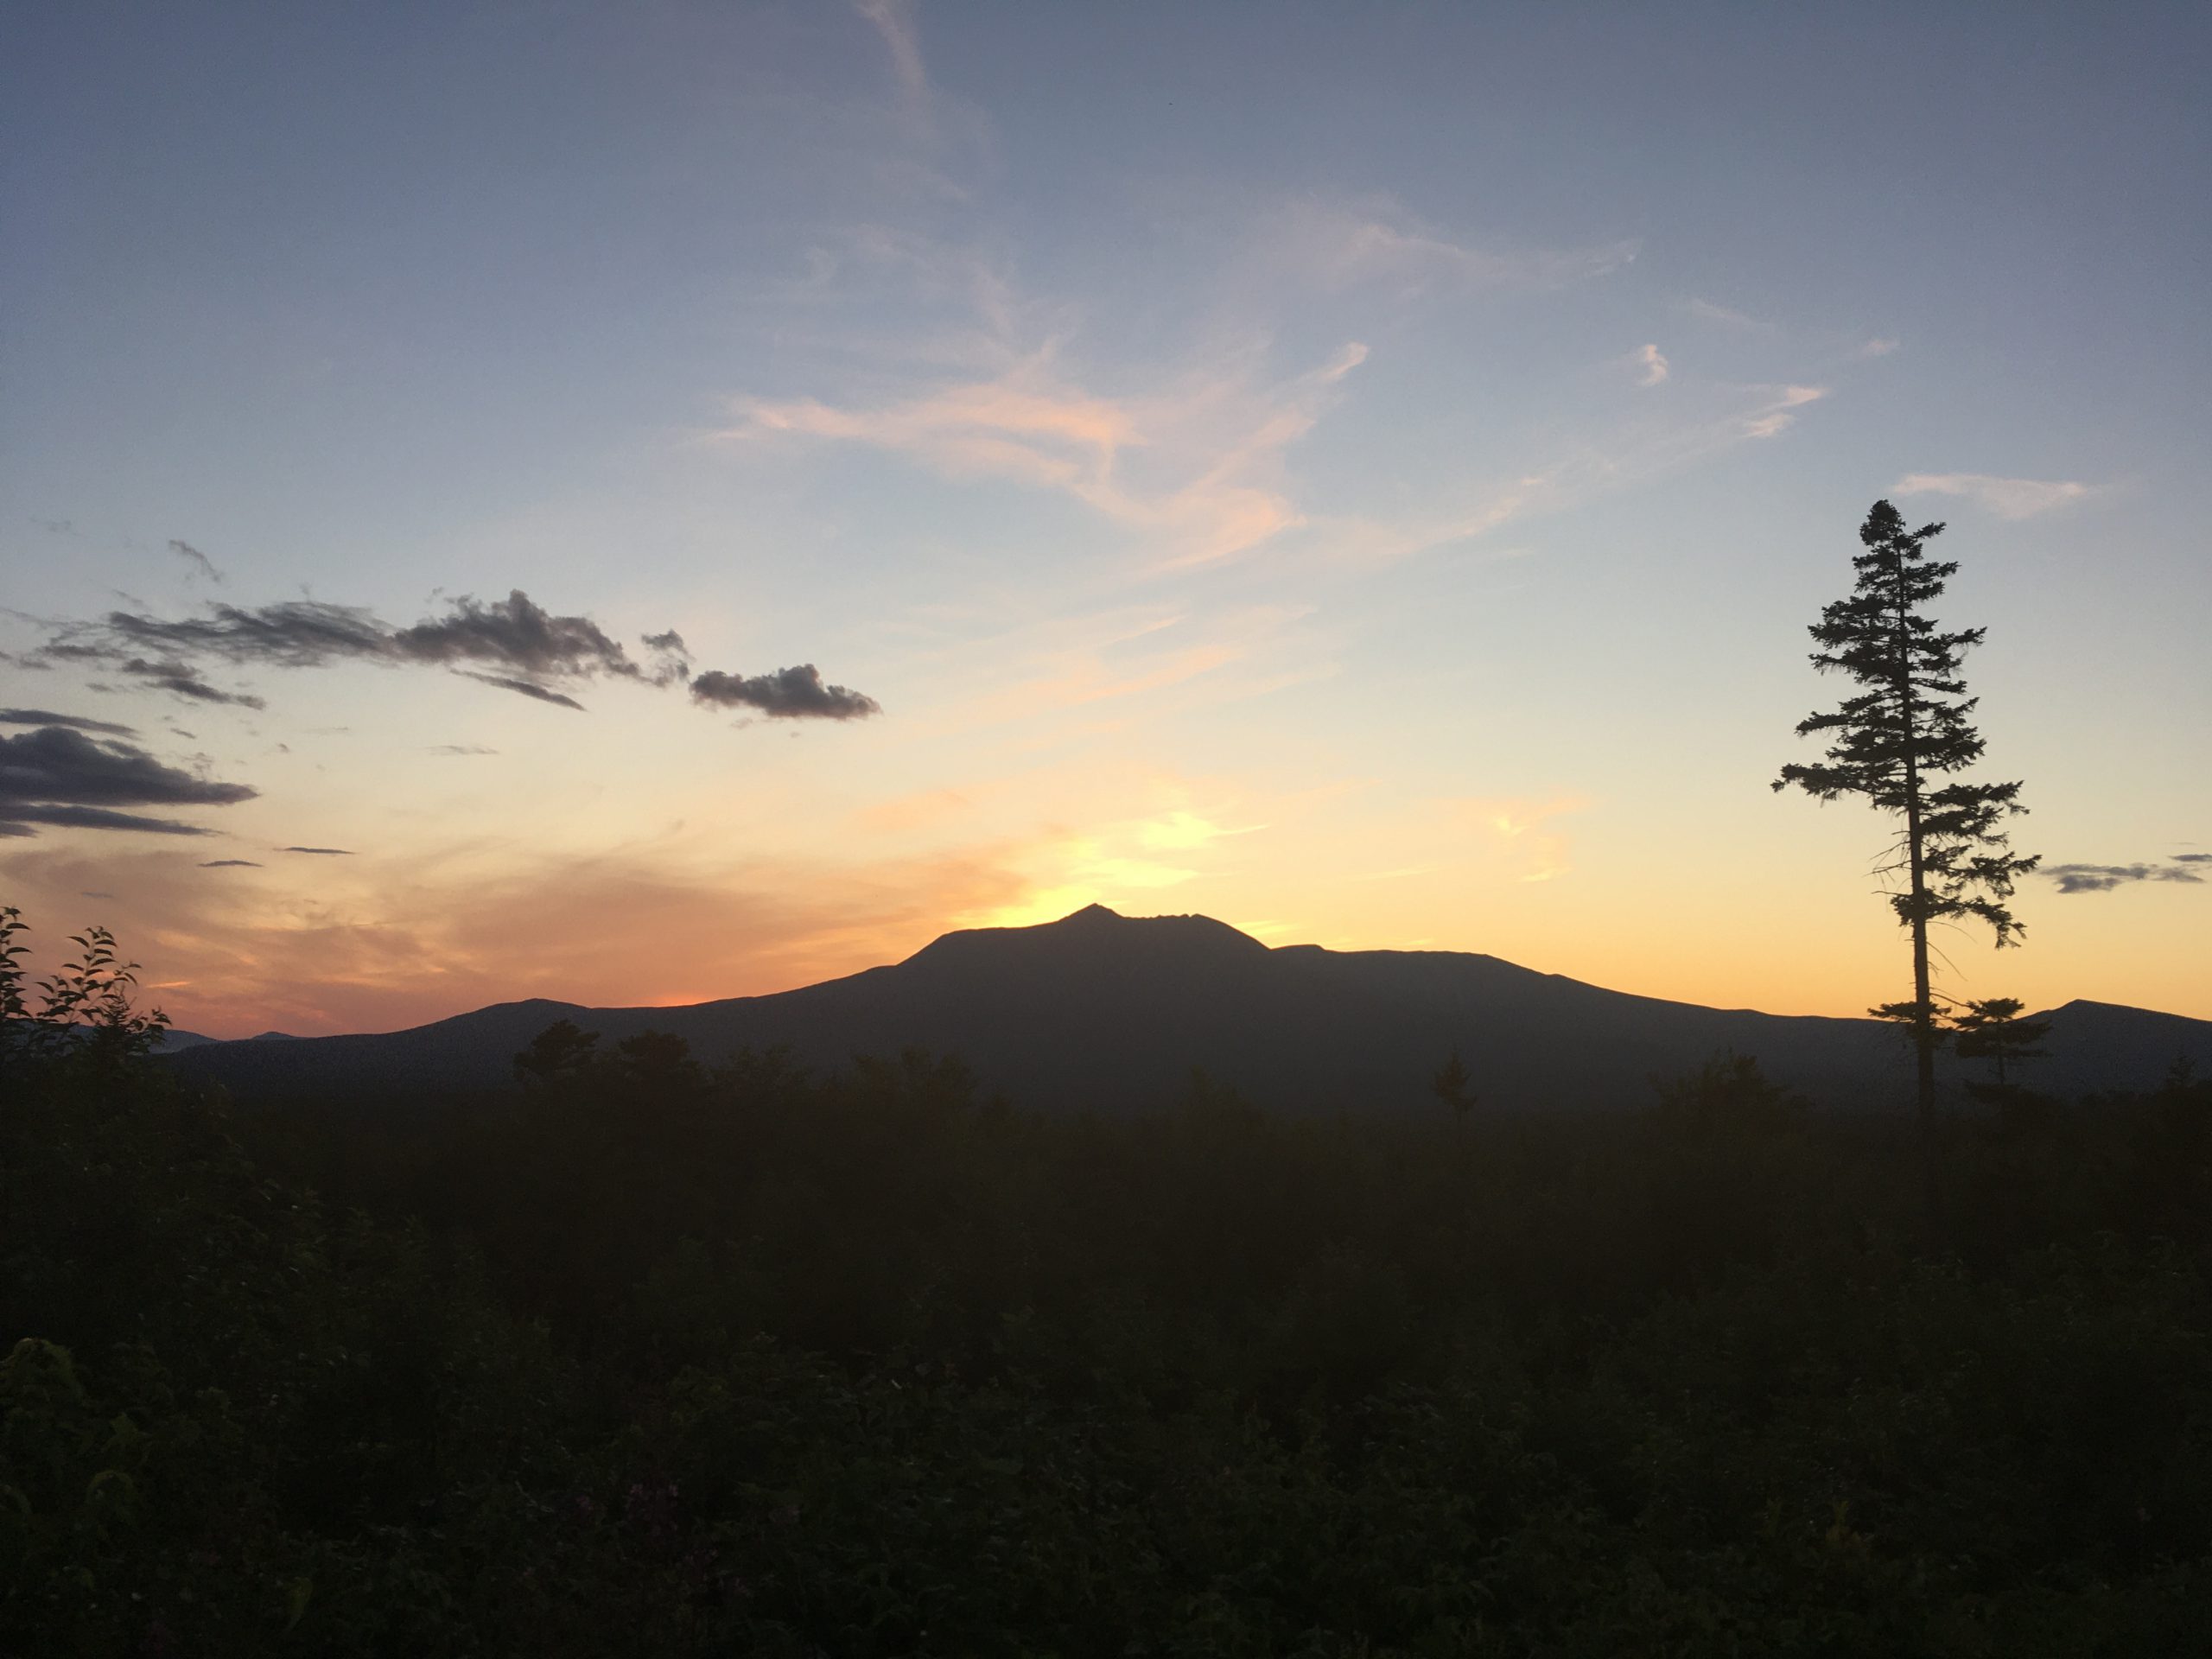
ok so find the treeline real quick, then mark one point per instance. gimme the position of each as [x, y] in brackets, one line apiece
[644, 1357]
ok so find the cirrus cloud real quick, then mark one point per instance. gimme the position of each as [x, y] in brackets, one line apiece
[1375, 243]
[1196, 467]
[2008, 498]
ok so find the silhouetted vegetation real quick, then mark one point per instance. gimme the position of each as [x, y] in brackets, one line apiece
[1890, 742]
[1993, 1029]
[643, 1357]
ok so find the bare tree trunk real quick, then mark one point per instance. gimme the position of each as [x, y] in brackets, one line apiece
[1923, 1023]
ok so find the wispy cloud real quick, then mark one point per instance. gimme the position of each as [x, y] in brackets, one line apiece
[894, 21]
[1522, 829]
[1779, 413]
[1640, 449]
[1652, 365]
[1880, 345]
[181, 679]
[1197, 467]
[523, 688]
[2008, 498]
[200, 563]
[1341, 245]
[76, 723]
[1706, 311]
[959, 299]
[1370, 541]
[321, 852]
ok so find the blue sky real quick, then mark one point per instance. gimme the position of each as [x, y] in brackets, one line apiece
[1363, 472]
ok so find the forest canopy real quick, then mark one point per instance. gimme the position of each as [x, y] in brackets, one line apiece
[640, 1356]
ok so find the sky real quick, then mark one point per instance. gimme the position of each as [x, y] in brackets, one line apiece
[645, 504]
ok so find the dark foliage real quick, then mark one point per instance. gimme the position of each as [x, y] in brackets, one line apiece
[642, 1357]
[1992, 1029]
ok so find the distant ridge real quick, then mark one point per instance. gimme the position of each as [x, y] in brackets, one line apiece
[1111, 1013]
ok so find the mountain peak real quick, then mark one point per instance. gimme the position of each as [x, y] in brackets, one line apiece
[1100, 1009]
[1093, 934]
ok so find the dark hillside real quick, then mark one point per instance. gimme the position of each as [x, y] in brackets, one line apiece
[644, 1357]
[1111, 1012]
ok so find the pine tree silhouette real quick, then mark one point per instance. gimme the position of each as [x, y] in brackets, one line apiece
[1911, 725]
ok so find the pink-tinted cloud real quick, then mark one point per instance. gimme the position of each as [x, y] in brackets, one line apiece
[1196, 468]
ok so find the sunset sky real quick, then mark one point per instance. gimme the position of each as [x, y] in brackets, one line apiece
[1360, 473]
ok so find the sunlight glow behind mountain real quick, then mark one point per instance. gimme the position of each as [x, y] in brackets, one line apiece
[711, 497]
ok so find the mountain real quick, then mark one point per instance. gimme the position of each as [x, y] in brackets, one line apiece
[175, 1042]
[1111, 1012]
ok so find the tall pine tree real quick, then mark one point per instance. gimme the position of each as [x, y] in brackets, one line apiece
[1909, 726]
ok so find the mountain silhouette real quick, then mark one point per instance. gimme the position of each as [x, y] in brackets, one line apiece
[1103, 1011]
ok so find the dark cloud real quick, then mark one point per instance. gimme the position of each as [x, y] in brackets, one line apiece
[55, 526]
[56, 775]
[514, 643]
[48, 717]
[527, 688]
[2103, 878]
[293, 633]
[194, 557]
[91, 892]
[171, 675]
[2193, 858]
[321, 852]
[461, 748]
[230, 864]
[92, 817]
[672, 658]
[788, 694]
[520, 634]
